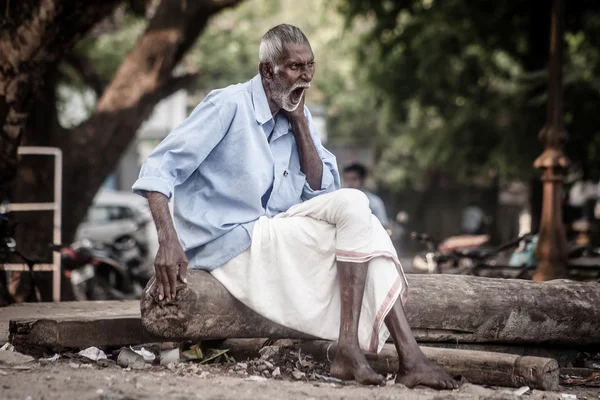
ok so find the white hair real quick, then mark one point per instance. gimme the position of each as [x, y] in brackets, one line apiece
[272, 43]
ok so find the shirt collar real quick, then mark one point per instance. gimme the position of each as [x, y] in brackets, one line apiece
[259, 100]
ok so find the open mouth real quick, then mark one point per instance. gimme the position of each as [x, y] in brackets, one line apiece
[296, 94]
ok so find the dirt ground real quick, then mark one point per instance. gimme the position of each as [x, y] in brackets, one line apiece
[70, 379]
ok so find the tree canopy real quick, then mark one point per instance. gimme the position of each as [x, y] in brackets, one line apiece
[461, 85]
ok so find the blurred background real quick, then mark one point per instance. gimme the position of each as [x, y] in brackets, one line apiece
[442, 102]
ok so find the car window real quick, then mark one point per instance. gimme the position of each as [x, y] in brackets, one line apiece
[99, 214]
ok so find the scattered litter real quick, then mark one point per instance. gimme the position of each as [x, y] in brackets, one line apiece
[298, 375]
[255, 378]
[268, 352]
[12, 358]
[328, 378]
[50, 359]
[276, 372]
[214, 354]
[194, 353]
[568, 396]
[128, 358]
[93, 353]
[169, 356]
[522, 390]
[147, 355]
[7, 347]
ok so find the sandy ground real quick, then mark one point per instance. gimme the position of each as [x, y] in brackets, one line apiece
[68, 379]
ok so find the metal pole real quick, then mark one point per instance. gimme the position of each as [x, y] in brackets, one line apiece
[552, 242]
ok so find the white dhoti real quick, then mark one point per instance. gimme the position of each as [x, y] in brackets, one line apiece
[289, 274]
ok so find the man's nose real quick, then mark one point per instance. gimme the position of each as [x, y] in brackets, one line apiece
[307, 73]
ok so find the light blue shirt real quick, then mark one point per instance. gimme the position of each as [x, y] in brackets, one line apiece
[224, 173]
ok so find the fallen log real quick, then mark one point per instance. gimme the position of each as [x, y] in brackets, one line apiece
[440, 308]
[479, 367]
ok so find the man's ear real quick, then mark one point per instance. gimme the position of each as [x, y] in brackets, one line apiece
[266, 70]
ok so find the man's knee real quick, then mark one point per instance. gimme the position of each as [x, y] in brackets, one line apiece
[352, 201]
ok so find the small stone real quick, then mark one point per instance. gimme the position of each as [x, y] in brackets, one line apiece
[240, 372]
[266, 373]
[100, 391]
[276, 372]
[171, 366]
[74, 365]
[231, 371]
[204, 374]
[239, 366]
[261, 368]
[298, 375]
[270, 365]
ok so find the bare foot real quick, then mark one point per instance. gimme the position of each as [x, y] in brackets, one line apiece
[350, 363]
[425, 373]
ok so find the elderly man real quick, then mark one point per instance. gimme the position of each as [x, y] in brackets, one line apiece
[256, 203]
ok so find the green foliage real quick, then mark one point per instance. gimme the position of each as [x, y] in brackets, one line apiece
[463, 86]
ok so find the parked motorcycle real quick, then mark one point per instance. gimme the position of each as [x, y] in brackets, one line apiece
[99, 271]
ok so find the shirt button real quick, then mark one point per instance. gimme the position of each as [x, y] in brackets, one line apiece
[285, 173]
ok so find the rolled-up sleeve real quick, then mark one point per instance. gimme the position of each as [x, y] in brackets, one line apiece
[330, 180]
[182, 151]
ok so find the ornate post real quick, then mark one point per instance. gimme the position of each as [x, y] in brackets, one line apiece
[552, 242]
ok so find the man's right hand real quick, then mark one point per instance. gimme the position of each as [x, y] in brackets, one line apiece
[169, 265]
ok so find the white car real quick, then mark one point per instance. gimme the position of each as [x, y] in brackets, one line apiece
[114, 214]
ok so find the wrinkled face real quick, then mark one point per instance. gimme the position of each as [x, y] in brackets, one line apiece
[353, 180]
[292, 76]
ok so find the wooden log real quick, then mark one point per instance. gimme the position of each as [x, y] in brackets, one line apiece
[480, 367]
[440, 308]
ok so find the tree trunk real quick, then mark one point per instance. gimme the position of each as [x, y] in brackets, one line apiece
[441, 308]
[33, 36]
[146, 76]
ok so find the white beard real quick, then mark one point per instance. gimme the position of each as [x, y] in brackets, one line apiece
[282, 95]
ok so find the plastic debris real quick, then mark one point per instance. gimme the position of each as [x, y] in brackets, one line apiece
[129, 359]
[14, 358]
[147, 355]
[7, 347]
[194, 353]
[170, 356]
[522, 390]
[50, 359]
[93, 353]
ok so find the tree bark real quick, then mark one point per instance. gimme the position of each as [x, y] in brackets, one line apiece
[440, 308]
[92, 149]
[33, 36]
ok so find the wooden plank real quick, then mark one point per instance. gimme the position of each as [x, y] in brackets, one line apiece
[74, 324]
[440, 308]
